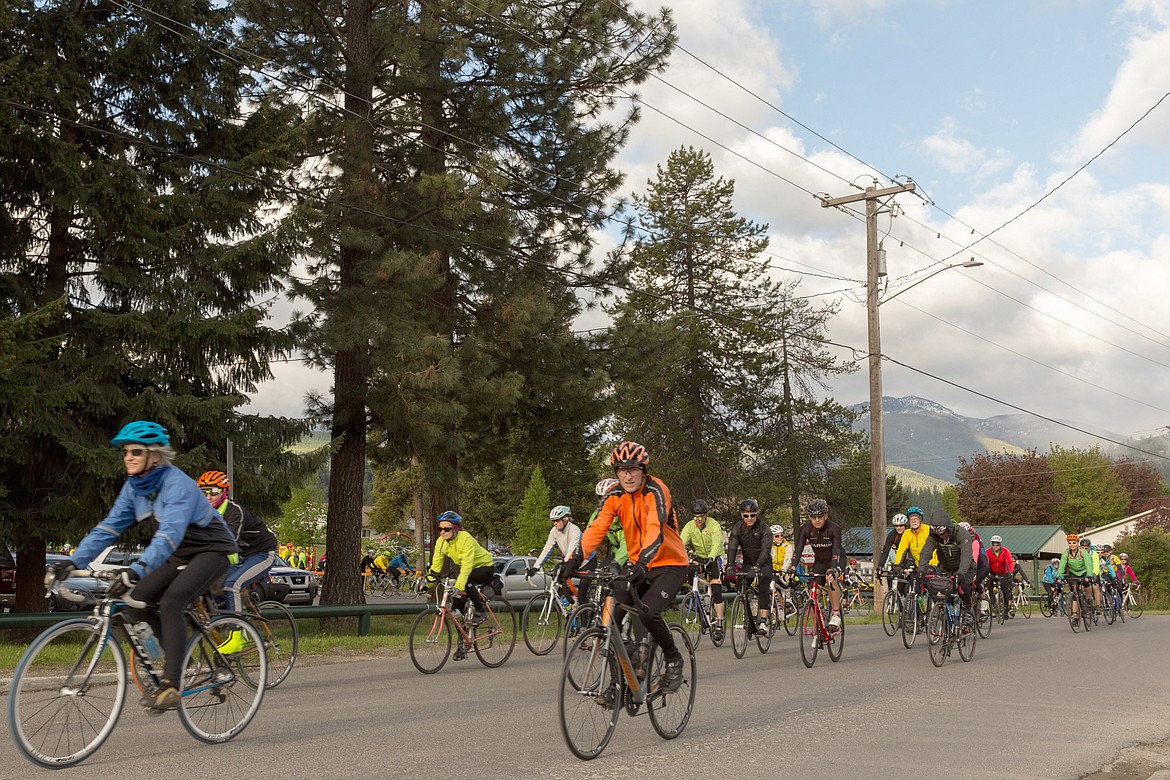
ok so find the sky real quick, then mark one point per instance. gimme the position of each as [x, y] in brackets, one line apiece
[1016, 120]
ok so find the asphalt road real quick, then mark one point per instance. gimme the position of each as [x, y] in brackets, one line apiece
[1036, 702]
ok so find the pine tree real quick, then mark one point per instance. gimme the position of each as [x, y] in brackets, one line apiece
[133, 169]
[531, 521]
[467, 163]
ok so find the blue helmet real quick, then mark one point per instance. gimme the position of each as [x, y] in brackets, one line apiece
[915, 511]
[142, 432]
[451, 517]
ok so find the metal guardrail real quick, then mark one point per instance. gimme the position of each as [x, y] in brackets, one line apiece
[363, 612]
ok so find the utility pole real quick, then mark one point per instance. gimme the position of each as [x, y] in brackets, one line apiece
[877, 455]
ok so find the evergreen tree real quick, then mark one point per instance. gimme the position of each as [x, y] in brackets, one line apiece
[531, 521]
[468, 161]
[133, 168]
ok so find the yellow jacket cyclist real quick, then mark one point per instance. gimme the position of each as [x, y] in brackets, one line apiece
[474, 562]
[913, 539]
[704, 538]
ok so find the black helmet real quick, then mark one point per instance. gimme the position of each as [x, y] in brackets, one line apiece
[818, 506]
[699, 507]
[749, 505]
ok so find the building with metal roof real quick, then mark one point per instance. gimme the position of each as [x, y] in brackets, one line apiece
[1110, 532]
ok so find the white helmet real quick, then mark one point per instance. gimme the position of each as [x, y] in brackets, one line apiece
[777, 529]
[605, 485]
[997, 539]
[965, 525]
[559, 512]
[900, 520]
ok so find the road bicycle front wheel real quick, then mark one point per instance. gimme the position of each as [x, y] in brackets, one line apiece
[910, 622]
[936, 633]
[692, 616]
[1135, 604]
[983, 621]
[1046, 606]
[764, 638]
[67, 693]
[282, 639]
[591, 694]
[671, 710]
[1074, 618]
[809, 635]
[739, 626]
[968, 635]
[836, 641]
[495, 638]
[541, 624]
[222, 693]
[861, 605]
[890, 613]
[430, 641]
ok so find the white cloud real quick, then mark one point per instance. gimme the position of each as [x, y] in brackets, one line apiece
[958, 155]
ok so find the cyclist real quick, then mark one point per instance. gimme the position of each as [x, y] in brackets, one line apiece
[657, 566]
[781, 562]
[474, 562]
[366, 565]
[565, 536]
[982, 568]
[190, 548]
[1001, 563]
[704, 539]
[1076, 564]
[951, 547]
[399, 564]
[912, 540]
[824, 536]
[892, 538]
[1048, 580]
[1125, 573]
[1095, 564]
[752, 540]
[256, 542]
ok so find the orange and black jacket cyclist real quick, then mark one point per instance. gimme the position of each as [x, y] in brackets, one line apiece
[657, 565]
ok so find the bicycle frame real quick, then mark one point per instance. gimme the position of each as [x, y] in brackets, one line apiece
[446, 613]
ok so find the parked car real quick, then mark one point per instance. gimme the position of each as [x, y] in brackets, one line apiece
[511, 569]
[115, 557]
[287, 585]
[85, 591]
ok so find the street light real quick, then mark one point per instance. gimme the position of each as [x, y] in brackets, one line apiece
[972, 263]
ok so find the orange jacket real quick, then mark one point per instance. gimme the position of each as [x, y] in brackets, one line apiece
[648, 523]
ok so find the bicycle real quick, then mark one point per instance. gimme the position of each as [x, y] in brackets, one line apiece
[784, 613]
[492, 640]
[696, 608]
[1020, 601]
[996, 600]
[410, 584]
[546, 614]
[1082, 613]
[1135, 601]
[983, 619]
[279, 631]
[69, 687]
[744, 608]
[950, 624]
[855, 601]
[1052, 603]
[600, 678]
[892, 602]
[913, 612]
[815, 630]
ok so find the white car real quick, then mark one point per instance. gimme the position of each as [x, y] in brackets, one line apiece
[511, 569]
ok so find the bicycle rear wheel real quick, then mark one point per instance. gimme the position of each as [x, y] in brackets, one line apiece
[541, 624]
[430, 641]
[890, 613]
[67, 693]
[936, 633]
[670, 711]
[1046, 606]
[591, 694]
[495, 638]
[281, 638]
[739, 626]
[809, 636]
[222, 693]
[968, 635]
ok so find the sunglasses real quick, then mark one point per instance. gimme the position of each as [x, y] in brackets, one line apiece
[212, 491]
[748, 515]
[134, 452]
[446, 529]
[777, 536]
[995, 544]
